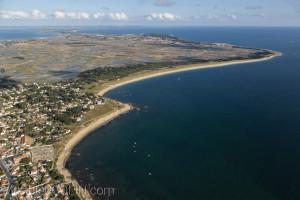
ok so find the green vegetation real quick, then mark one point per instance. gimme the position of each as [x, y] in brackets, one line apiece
[55, 175]
[28, 130]
[72, 193]
[113, 73]
[69, 116]
[171, 37]
[19, 57]
[49, 165]
[21, 105]
[52, 113]
[25, 160]
[6, 82]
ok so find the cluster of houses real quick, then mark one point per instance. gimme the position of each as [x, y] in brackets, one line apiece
[33, 106]
[7, 43]
[29, 171]
[4, 185]
[26, 162]
[43, 191]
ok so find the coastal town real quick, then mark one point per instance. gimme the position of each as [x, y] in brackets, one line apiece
[33, 117]
[50, 97]
[149, 100]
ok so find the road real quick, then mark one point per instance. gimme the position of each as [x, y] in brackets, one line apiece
[6, 171]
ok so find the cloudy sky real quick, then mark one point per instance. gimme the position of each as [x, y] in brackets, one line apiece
[150, 12]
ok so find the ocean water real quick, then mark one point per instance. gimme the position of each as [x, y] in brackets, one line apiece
[226, 133]
[9, 33]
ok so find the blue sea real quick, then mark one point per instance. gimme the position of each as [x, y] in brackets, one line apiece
[226, 133]
[8, 33]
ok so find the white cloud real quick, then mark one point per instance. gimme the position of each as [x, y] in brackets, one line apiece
[164, 3]
[112, 16]
[83, 15]
[59, 15]
[14, 15]
[62, 15]
[36, 14]
[99, 15]
[71, 15]
[162, 16]
[118, 16]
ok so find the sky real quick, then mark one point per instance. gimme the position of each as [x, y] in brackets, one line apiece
[150, 12]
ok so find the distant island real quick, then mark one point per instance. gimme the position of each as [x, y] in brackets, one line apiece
[52, 95]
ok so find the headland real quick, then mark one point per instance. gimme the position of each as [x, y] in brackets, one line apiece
[66, 78]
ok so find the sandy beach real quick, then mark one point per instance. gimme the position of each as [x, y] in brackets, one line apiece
[65, 153]
[178, 69]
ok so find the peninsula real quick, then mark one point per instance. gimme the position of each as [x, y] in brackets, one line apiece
[52, 96]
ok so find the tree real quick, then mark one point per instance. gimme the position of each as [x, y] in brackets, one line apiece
[21, 105]
[56, 175]
[49, 165]
[25, 160]
[28, 129]
[73, 195]
[5, 97]
[26, 180]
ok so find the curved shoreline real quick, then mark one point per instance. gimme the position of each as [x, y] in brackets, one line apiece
[76, 139]
[181, 69]
[81, 134]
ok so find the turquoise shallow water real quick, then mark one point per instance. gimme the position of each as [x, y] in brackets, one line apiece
[221, 133]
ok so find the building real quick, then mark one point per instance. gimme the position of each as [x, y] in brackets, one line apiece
[33, 172]
[23, 139]
[3, 182]
[19, 158]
